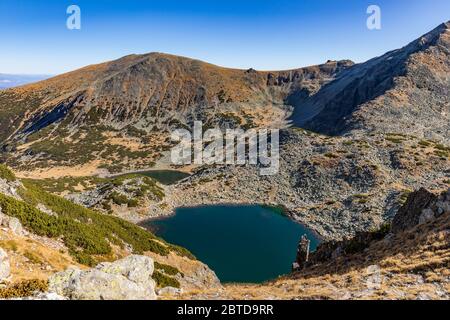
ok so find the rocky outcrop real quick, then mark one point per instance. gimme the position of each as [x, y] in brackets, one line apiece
[420, 207]
[11, 223]
[5, 269]
[126, 279]
[10, 188]
[142, 96]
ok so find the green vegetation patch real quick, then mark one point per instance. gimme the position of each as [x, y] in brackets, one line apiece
[441, 154]
[441, 147]
[231, 117]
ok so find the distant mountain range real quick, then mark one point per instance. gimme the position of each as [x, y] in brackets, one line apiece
[15, 80]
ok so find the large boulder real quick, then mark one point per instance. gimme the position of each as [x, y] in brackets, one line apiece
[126, 279]
[421, 207]
[12, 224]
[5, 270]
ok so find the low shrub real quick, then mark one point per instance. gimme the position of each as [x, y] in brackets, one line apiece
[24, 289]
[118, 198]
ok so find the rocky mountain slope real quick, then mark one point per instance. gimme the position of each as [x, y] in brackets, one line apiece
[336, 185]
[405, 90]
[122, 111]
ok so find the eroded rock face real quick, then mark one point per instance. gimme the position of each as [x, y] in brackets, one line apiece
[5, 270]
[422, 206]
[126, 279]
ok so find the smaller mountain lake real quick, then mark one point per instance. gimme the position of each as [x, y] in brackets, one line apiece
[246, 244]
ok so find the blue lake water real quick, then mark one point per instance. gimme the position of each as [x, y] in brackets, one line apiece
[247, 244]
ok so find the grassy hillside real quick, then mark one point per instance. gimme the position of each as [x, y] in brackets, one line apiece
[89, 236]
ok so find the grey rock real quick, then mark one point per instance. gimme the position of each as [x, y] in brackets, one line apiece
[5, 270]
[136, 268]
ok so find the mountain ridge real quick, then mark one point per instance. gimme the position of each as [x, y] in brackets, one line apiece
[140, 99]
[153, 93]
[334, 110]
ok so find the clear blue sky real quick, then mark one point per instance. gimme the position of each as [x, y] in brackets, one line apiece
[263, 34]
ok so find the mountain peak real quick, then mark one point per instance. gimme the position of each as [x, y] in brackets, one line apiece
[147, 96]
